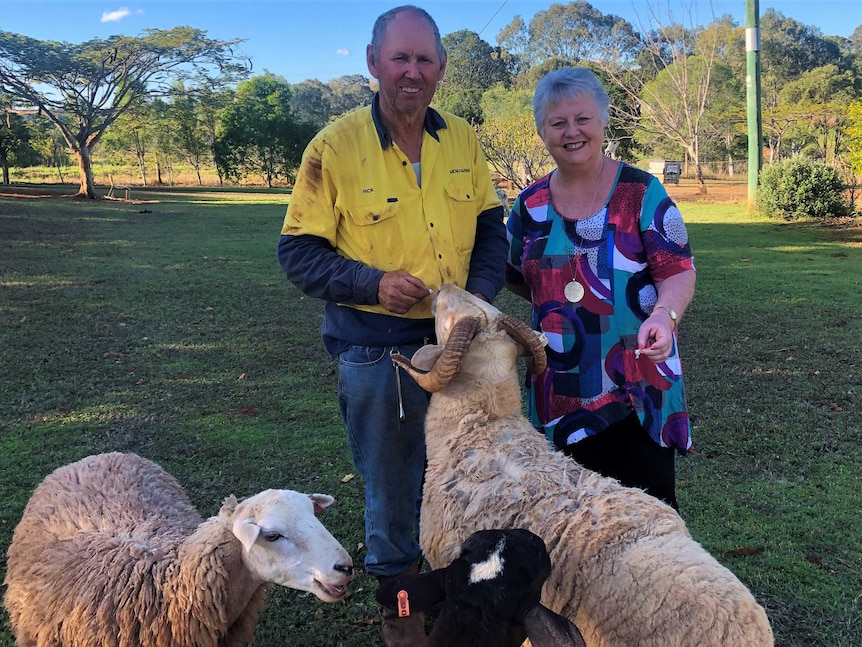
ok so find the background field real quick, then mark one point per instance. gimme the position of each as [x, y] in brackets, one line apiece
[164, 326]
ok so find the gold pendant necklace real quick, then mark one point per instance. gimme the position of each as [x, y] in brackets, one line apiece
[574, 291]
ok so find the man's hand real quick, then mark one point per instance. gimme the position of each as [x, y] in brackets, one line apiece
[400, 291]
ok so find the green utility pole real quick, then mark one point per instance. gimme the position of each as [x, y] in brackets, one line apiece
[752, 88]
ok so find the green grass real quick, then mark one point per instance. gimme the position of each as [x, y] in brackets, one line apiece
[165, 327]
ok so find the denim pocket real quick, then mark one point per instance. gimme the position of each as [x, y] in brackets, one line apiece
[363, 355]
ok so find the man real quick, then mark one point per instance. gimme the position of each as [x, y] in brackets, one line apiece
[391, 201]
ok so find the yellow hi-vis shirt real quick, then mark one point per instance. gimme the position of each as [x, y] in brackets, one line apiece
[362, 196]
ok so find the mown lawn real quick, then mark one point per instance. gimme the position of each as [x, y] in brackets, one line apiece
[165, 327]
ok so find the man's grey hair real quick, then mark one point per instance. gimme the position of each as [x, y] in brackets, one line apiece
[569, 83]
[382, 22]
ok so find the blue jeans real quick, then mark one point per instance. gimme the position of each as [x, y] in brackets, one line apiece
[388, 453]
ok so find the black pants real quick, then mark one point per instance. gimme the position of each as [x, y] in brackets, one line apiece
[626, 452]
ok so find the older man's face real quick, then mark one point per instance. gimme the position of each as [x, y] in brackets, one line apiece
[408, 66]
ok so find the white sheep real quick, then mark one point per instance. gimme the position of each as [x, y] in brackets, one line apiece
[488, 597]
[626, 571]
[111, 552]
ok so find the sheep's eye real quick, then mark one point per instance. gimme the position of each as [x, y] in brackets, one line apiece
[272, 536]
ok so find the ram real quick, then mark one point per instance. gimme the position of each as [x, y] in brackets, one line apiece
[625, 569]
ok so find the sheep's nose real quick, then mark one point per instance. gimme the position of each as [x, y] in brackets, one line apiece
[347, 569]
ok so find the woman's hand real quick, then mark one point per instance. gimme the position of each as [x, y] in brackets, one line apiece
[655, 337]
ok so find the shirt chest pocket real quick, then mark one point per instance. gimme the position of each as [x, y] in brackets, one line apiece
[373, 234]
[463, 211]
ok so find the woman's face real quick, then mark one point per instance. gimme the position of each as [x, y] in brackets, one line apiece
[572, 131]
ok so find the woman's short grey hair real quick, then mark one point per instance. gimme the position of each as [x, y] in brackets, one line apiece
[382, 22]
[569, 83]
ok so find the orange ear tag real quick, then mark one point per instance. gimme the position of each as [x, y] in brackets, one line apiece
[403, 604]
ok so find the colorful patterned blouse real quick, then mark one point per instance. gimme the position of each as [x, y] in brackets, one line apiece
[593, 378]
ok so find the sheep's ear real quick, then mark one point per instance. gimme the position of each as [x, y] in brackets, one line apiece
[424, 591]
[246, 531]
[321, 501]
[549, 629]
[425, 358]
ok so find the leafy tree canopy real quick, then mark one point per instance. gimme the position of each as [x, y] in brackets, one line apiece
[472, 63]
[349, 92]
[99, 80]
[790, 48]
[259, 133]
[576, 31]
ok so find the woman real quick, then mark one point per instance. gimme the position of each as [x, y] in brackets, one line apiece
[602, 253]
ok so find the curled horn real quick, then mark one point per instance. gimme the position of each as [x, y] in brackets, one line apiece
[537, 361]
[449, 361]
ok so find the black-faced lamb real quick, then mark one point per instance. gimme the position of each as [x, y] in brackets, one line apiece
[625, 569]
[111, 552]
[488, 596]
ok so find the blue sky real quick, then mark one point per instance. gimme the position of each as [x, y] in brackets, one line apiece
[323, 39]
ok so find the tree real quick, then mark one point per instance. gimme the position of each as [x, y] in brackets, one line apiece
[189, 133]
[819, 100]
[671, 90]
[473, 66]
[97, 81]
[349, 92]
[513, 39]
[575, 31]
[788, 49]
[853, 132]
[509, 139]
[131, 132]
[258, 132]
[211, 105]
[48, 142]
[14, 141]
[856, 39]
[311, 101]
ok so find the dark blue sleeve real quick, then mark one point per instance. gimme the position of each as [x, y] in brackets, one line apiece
[488, 260]
[313, 266]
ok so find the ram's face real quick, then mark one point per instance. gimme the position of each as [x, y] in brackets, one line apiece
[450, 304]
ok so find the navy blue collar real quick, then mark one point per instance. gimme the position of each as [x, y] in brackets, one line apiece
[433, 122]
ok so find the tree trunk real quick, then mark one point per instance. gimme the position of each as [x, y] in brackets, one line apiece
[140, 152]
[59, 172]
[5, 172]
[701, 183]
[143, 168]
[85, 167]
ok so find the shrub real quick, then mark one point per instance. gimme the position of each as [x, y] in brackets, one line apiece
[799, 188]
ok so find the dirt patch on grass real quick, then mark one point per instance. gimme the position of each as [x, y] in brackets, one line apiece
[717, 191]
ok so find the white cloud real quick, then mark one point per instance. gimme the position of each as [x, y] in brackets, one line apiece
[343, 52]
[115, 16]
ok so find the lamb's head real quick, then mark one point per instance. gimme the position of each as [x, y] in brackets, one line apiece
[459, 319]
[489, 595]
[284, 543]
